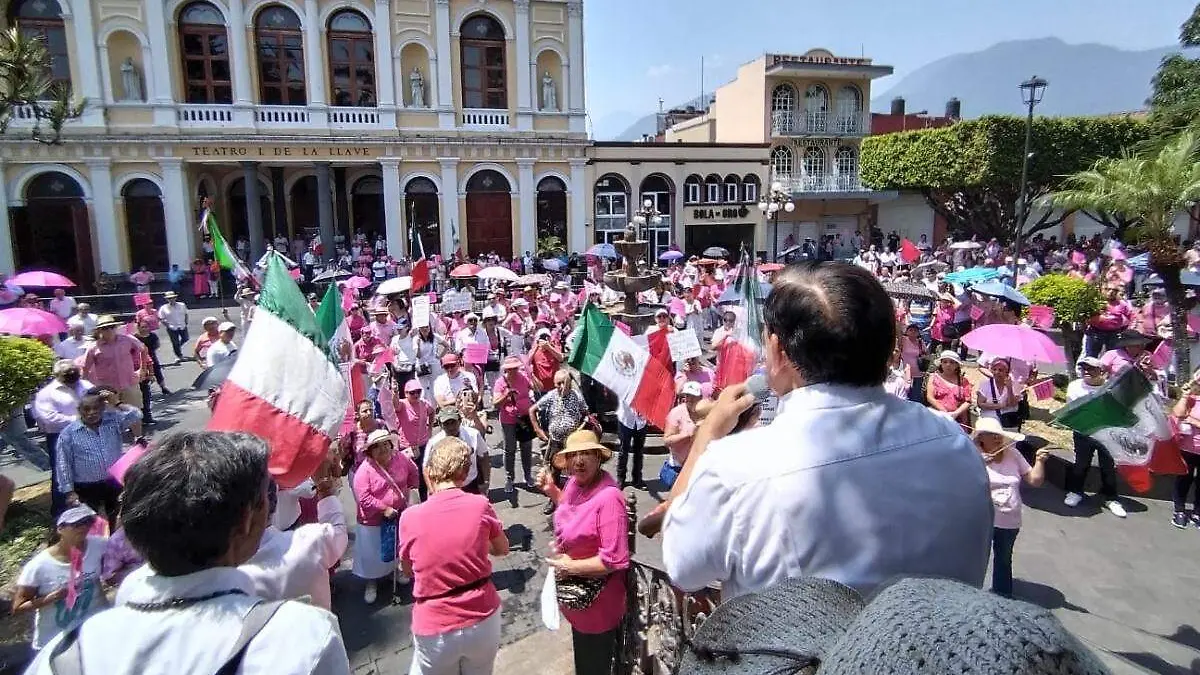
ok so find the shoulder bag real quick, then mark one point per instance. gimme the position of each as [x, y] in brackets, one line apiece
[578, 592]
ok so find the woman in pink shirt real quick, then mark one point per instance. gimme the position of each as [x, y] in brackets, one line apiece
[677, 436]
[381, 486]
[591, 543]
[1103, 329]
[513, 395]
[414, 423]
[444, 546]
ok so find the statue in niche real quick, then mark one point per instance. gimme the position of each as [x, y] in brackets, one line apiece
[416, 85]
[549, 96]
[131, 81]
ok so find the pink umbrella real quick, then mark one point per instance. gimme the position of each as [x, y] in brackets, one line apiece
[358, 282]
[1016, 342]
[41, 279]
[465, 270]
[30, 321]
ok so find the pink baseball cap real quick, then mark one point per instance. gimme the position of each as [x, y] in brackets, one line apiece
[412, 385]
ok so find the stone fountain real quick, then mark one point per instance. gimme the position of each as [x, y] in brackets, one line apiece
[632, 279]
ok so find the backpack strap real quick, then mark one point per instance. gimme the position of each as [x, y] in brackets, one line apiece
[256, 619]
[67, 657]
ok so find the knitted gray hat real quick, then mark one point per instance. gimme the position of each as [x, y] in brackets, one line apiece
[915, 626]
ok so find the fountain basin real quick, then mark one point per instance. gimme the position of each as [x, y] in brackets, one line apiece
[621, 283]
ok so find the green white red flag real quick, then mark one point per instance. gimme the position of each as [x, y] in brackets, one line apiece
[613, 359]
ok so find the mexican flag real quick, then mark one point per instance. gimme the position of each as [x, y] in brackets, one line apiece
[740, 353]
[285, 387]
[613, 359]
[1130, 420]
[222, 251]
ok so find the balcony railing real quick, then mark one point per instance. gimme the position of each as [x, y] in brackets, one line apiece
[202, 115]
[660, 619]
[353, 118]
[820, 123]
[484, 118]
[281, 115]
[821, 183]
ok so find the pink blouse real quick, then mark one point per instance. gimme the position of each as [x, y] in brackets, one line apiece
[588, 522]
[412, 422]
[374, 492]
[513, 410]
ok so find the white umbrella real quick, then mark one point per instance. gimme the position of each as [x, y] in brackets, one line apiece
[397, 285]
[497, 272]
[965, 245]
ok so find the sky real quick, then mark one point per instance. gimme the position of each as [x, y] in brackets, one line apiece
[638, 51]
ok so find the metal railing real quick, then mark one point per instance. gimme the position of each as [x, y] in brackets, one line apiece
[481, 117]
[821, 183]
[660, 619]
[820, 123]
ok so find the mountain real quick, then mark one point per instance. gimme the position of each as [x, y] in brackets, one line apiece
[1085, 79]
[646, 124]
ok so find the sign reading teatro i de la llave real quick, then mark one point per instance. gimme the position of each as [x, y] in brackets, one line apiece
[227, 152]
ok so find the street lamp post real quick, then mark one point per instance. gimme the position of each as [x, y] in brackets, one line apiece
[1031, 93]
[648, 214]
[771, 204]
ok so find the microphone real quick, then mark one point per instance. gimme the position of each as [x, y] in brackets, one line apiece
[757, 387]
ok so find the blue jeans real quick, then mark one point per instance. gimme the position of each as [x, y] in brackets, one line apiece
[1003, 541]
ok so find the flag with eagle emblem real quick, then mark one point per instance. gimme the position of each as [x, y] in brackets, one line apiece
[613, 359]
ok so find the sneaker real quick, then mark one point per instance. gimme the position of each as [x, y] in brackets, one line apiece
[1114, 507]
[508, 486]
[166, 392]
[1180, 520]
[371, 593]
[548, 509]
[1073, 499]
[1196, 519]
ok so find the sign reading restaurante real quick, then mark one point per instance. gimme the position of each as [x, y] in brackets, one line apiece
[279, 152]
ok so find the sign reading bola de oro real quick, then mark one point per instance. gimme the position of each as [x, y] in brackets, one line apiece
[219, 153]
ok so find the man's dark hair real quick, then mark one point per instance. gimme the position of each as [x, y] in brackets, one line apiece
[186, 495]
[834, 321]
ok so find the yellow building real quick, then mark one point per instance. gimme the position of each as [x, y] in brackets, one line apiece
[460, 118]
[811, 110]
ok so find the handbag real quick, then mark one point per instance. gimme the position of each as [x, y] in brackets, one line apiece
[578, 592]
[524, 430]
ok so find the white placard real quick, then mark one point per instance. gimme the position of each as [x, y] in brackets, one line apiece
[459, 302]
[683, 344]
[420, 311]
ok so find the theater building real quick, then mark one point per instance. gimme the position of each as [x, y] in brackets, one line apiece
[462, 119]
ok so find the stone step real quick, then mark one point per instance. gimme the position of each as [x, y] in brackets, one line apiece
[544, 652]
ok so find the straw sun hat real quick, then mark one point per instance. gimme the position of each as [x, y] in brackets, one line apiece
[581, 441]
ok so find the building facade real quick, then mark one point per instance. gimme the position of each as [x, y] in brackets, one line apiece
[461, 119]
[812, 111]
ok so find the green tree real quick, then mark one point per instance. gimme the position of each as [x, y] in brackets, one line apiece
[24, 366]
[1175, 100]
[1150, 189]
[550, 245]
[970, 172]
[27, 90]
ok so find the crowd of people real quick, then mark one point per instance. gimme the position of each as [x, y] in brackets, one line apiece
[877, 390]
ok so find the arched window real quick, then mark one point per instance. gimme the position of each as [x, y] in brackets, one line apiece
[712, 189]
[783, 109]
[846, 162]
[733, 189]
[280, 46]
[43, 19]
[204, 48]
[612, 207]
[814, 167]
[781, 163]
[351, 59]
[659, 192]
[816, 107]
[691, 189]
[849, 110]
[484, 71]
[750, 188]
[552, 209]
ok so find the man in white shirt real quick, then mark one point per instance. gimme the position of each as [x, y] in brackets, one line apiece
[480, 474]
[83, 317]
[847, 483]
[54, 407]
[224, 348]
[174, 316]
[192, 610]
[62, 304]
[470, 334]
[74, 345]
[448, 385]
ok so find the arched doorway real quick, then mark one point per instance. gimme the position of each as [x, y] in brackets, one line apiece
[52, 231]
[366, 206]
[421, 215]
[145, 225]
[239, 227]
[489, 214]
[552, 210]
[305, 218]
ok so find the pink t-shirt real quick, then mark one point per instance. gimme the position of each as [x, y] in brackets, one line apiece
[114, 364]
[1004, 477]
[446, 540]
[412, 422]
[1116, 360]
[375, 493]
[513, 409]
[588, 522]
[679, 418]
[1114, 316]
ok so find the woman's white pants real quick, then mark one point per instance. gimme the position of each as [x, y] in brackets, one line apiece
[466, 651]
